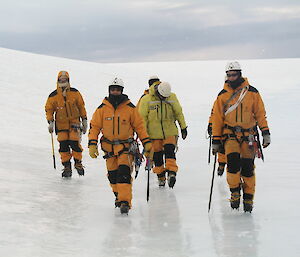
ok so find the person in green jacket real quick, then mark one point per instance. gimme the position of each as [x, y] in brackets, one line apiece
[160, 109]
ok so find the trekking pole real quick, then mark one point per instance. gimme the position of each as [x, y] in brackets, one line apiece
[209, 149]
[148, 168]
[259, 147]
[212, 182]
[54, 163]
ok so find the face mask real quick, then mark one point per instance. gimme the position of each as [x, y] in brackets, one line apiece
[236, 83]
[63, 85]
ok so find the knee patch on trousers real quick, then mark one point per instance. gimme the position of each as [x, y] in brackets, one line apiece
[123, 175]
[64, 146]
[158, 158]
[75, 146]
[233, 162]
[112, 176]
[169, 151]
[247, 167]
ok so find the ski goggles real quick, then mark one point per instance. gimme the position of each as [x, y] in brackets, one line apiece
[235, 74]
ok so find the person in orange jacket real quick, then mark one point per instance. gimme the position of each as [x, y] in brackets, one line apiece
[238, 110]
[67, 104]
[221, 154]
[117, 119]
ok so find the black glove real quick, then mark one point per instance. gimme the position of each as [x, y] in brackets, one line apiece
[209, 129]
[216, 146]
[184, 133]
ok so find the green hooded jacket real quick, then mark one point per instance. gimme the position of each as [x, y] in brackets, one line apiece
[160, 116]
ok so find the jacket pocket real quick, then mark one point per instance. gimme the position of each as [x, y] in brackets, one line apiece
[72, 109]
[61, 114]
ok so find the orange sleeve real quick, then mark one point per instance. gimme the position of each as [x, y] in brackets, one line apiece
[81, 106]
[217, 119]
[49, 109]
[211, 114]
[138, 125]
[96, 126]
[260, 113]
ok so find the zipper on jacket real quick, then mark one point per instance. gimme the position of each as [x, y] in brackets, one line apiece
[241, 112]
[118, 124]
[166, 112]
[70, 109]
[113, 124]
[66, 106]
[161, 120]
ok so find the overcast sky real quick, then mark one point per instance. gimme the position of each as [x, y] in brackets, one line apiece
[152, 30]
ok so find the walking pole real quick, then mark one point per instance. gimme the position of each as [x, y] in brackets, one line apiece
[54, 164]
[209, 149]
[212, 182]
[148, 168]
[259, 147]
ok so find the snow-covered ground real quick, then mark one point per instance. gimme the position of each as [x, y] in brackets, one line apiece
[43, 215]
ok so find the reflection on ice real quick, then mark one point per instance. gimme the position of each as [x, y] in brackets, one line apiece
[149, 229]
[235, 233]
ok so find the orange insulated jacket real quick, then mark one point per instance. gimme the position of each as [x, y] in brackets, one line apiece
[249, 110]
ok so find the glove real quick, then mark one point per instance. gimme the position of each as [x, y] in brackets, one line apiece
[147, 150]
[184, 133]
[266, 140]
[93, 151]
[216, 146]
[209, 129]
[51, 126]
[84, 125]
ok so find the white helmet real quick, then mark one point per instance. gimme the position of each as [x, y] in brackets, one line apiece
[233, 66]
[154, 77]
[164, 89]
[117, 82]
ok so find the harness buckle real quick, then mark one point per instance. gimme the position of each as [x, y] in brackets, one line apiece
[238, 129]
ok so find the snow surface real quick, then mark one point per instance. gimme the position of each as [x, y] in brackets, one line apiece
[43, 215]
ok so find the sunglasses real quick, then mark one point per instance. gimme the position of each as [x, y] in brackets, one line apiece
[115, 89]
[232, 74]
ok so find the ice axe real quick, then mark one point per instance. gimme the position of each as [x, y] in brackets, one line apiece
[212, 182]
[53, 155]
[148, 168]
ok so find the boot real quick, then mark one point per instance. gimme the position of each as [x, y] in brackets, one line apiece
[124, 207]
[248, 205]
[79, 167]
[235, 200]
[67, 170]
[171, 178]
[161, 179]
[117, 202]
[221, 169]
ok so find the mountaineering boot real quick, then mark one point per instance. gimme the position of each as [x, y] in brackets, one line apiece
[171, 178]
[221, 169]
[79, 167]
[117, 202]
[235, 200]
[67, 171]
[124, 207]
[248, 205]
[161, 179]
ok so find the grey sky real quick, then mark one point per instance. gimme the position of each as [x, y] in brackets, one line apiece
[152, 30]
